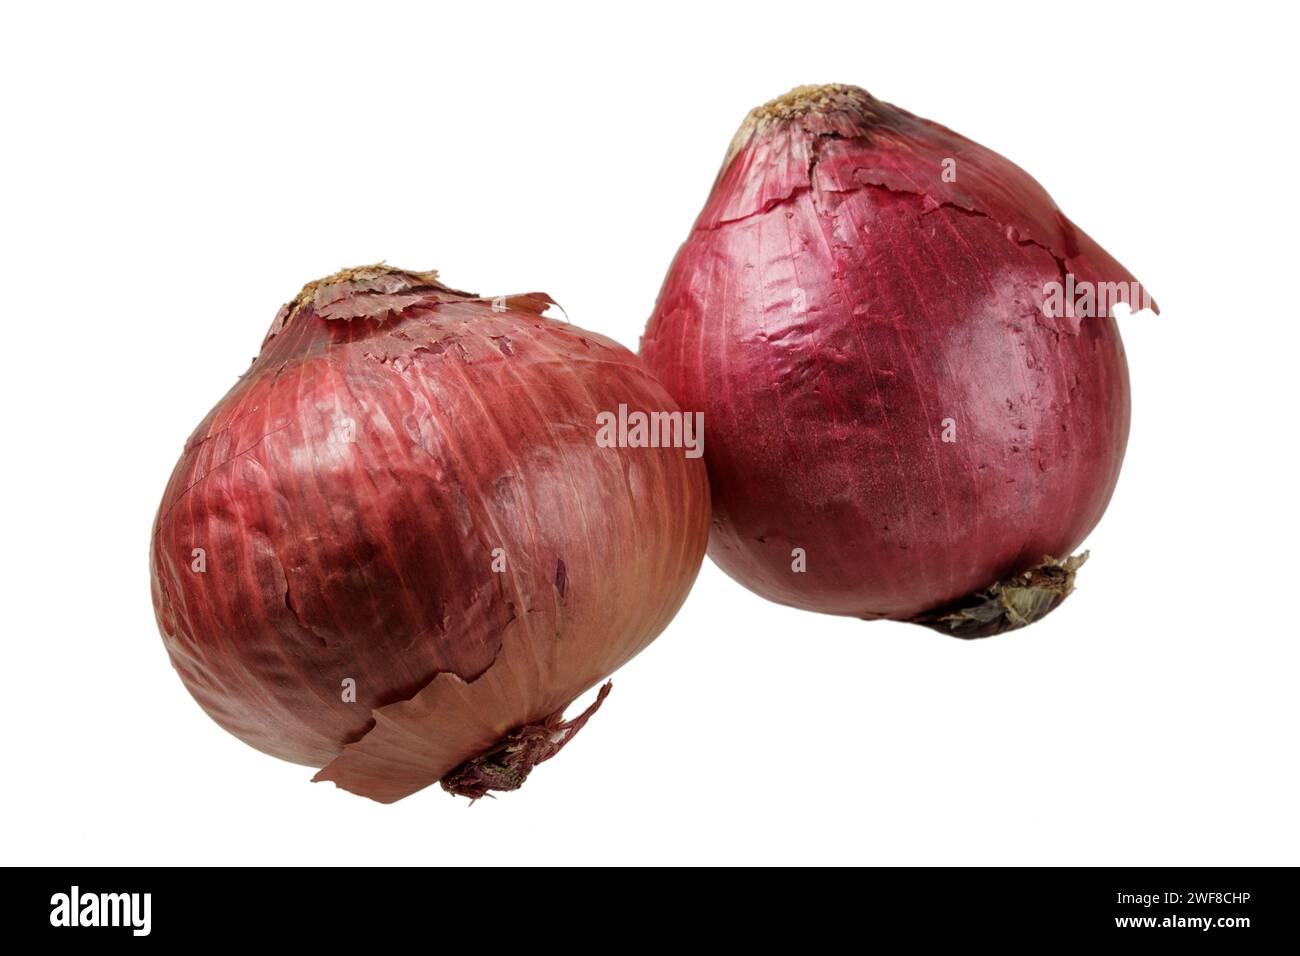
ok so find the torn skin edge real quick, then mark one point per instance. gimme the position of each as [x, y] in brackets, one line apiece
[1008, 605]
[507, 764]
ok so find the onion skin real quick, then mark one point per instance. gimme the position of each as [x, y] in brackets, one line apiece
[348, 495]
[836, 302]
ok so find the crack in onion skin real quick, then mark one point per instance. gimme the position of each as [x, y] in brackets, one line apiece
[838, 301]
[405, 491]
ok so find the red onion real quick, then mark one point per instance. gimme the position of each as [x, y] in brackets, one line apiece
[396, 550]
[911, 414]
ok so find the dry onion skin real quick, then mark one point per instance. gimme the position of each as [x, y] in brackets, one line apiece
[396, 551]
[906, 419]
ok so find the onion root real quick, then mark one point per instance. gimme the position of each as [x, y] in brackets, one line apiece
[1010, 604]
[507, 764]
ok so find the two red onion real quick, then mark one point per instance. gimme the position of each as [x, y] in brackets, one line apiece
[401, 545]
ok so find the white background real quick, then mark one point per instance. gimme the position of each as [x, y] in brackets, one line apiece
[171, 176]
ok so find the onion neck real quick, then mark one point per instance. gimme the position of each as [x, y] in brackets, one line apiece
[829, 108]
[823, 98]
[379, 277]
[376, 291]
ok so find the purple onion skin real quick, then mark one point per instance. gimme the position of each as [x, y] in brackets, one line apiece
[839, 305]
[349, 497]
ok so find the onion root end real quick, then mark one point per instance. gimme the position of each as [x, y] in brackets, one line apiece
[1008, 605]
[507, 763]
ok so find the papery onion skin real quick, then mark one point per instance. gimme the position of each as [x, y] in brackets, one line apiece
[838, 305]
[405, 491]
